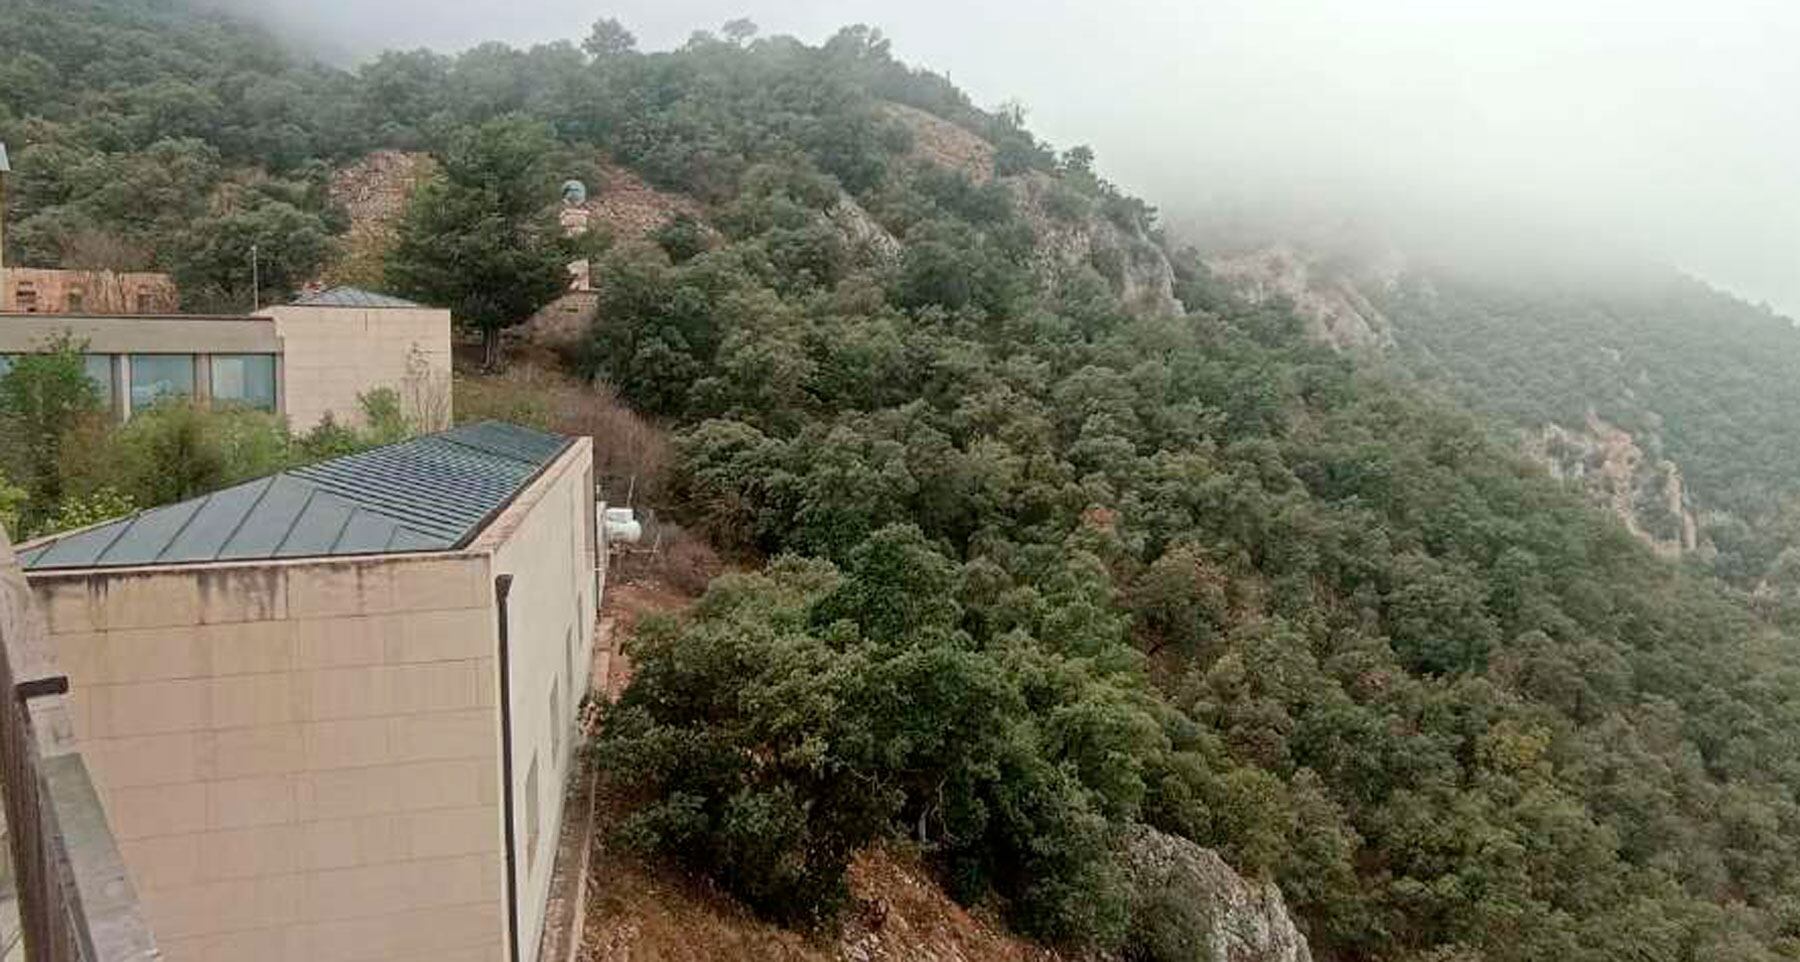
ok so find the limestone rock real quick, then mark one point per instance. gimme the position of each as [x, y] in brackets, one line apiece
[1191, 905]
[1127, 257]
[1643, 491]
[863, 235]
[1332, 303]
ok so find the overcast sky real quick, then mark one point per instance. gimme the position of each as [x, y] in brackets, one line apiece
[1670, 127]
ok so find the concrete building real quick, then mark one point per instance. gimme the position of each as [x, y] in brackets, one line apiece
[330, 713]
[303, 360]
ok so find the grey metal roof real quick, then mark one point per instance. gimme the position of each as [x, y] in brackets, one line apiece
[426, 494]
[351, 297]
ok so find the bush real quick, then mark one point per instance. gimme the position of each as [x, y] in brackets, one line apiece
[180, 449]
[45, 398]
[801, 714]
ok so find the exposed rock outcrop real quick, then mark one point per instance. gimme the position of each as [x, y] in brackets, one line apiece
[943, 143]
[1646, 493]
[866, 239]
[1129, 259]
[374, 191]
[1228, 919]
[627, 205]
[1330, 301]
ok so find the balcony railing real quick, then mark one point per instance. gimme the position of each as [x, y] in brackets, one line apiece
[73, 898]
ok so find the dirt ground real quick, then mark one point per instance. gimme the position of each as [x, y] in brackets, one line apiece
[643, 914]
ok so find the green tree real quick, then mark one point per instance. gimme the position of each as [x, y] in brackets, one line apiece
[481, 237]
[214, 266]
[609, 38]
[45, 397]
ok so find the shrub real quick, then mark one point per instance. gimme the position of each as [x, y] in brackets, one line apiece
[801, 714]
[45, 397]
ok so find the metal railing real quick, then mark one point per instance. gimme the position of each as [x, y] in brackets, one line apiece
[75, 901]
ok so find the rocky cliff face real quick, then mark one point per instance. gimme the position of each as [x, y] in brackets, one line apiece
[1134, 264]
[1331, 300]
[1068, 240]
[1193, 906]
[1645, 493]
[1337, 297]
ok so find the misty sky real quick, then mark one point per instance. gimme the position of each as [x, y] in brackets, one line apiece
[1672, 128]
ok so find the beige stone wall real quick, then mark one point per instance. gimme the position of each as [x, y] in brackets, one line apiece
[546, 542]
[301, 759]
[333, 354]
[87, 292]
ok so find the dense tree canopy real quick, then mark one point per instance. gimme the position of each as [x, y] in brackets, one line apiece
[1044, 567]
[1695, 376]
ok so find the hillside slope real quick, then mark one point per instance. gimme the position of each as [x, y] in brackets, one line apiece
[1051, 549]
[1668, 401]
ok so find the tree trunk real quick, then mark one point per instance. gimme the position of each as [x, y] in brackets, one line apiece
[490, 350]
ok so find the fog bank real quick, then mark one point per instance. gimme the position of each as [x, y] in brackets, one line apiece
[1672, 129]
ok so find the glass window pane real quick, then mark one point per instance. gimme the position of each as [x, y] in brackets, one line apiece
[160, 375]
[247, 379]
[99, 370]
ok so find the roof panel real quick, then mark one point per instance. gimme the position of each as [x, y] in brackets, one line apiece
[207, 533]
[367, 533]
[425, 494]
[145, 536]
[317, 528]
[352, 297]
[263, 530]
[78, 550]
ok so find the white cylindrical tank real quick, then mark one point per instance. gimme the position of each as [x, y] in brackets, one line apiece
[620, 526]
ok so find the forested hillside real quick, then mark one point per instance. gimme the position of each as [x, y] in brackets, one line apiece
[1665, 399]
[1038, 556]
[1693, 375]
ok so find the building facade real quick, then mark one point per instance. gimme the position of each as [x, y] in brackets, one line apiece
[28, 290]
[331, 713]
[304, 360]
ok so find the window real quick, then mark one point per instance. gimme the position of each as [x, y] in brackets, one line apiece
[531, 814]
[77, 300]
[556, 718]
[146, 302]
[246, 379]
[26, 298]
[99, 370]
[156, 376]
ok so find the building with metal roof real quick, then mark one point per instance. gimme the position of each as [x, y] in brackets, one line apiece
[426, 494]
[332, 712]
[354, 297]
[308, 360]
